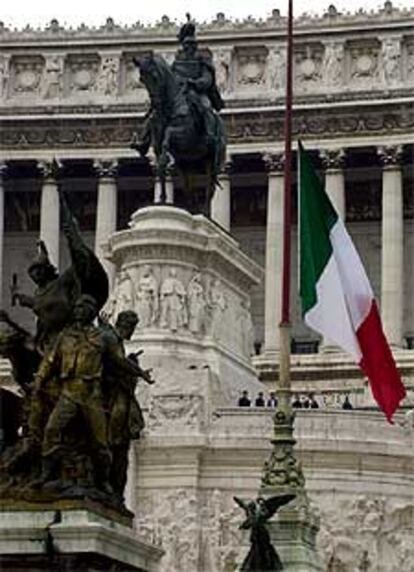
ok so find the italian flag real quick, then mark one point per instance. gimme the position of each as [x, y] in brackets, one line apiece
[337, 299]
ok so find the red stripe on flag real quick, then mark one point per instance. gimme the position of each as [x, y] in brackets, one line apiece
[378, 364]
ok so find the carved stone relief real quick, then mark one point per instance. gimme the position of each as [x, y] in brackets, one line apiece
[82, 71]
[107, 80]
[308, 67]
[367, 533]
[52, 81]
[26, 73]
[122, 297]
[147, 298]
[391, 61]
[276, 68]
[197, 305]
[363, 60]
[173, 302]
[175, 413]
[333, 65]
[251, 67]
[4, 75]
[222, 59]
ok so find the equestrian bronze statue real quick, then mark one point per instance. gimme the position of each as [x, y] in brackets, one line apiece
[183, 124]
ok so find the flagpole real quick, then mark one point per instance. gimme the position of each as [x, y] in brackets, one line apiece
[282, 472]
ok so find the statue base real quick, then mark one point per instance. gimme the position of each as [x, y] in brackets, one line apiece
[52, 538]
[294, 536]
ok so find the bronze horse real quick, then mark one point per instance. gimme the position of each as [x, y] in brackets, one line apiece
[178, 132]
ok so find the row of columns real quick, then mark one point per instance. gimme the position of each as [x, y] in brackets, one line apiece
[333, 161]
[391, 238]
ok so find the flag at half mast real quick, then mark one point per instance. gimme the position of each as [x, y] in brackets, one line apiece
[337, 298]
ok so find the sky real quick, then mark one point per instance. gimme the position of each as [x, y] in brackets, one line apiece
[18, 13]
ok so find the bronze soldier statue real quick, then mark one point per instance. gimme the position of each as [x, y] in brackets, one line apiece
[125, 419]
[77, 361]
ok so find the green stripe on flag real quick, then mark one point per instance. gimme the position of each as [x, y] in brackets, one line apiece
[317, 217]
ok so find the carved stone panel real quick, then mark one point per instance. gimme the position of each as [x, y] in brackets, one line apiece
[26, 75]
[251, 67]
[81, 73]
[308, 67]
[4, 75]
[107, 81]
[276, 69]
[223, 62]
[333, 65]
[363, 63]
[391, 62]
[53, 77]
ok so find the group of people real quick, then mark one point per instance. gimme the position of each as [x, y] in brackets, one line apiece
[260, 400]
[298, 401]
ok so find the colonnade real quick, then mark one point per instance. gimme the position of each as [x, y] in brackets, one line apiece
[333, 161]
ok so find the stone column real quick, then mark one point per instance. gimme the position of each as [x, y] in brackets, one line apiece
[333, 160]
[3, 169]
[221, 203]
[274, 251]
[50, 209]
[106, 211]
[392, 244]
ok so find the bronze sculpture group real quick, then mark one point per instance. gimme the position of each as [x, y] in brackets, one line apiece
[79, 411]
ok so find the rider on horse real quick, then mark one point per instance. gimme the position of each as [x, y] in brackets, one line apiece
[197, 73]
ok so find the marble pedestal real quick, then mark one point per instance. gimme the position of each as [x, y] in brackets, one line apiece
[72, 540]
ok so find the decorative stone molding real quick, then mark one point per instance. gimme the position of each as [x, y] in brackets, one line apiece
[105, 169]
[390, 155]
[332, 159]
[50, 169]
[274, 162]
[176, 413]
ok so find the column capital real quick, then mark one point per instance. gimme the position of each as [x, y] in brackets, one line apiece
[332, 159]
[50, 169]
[274, 162]
[105, 168]
[390, 155]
